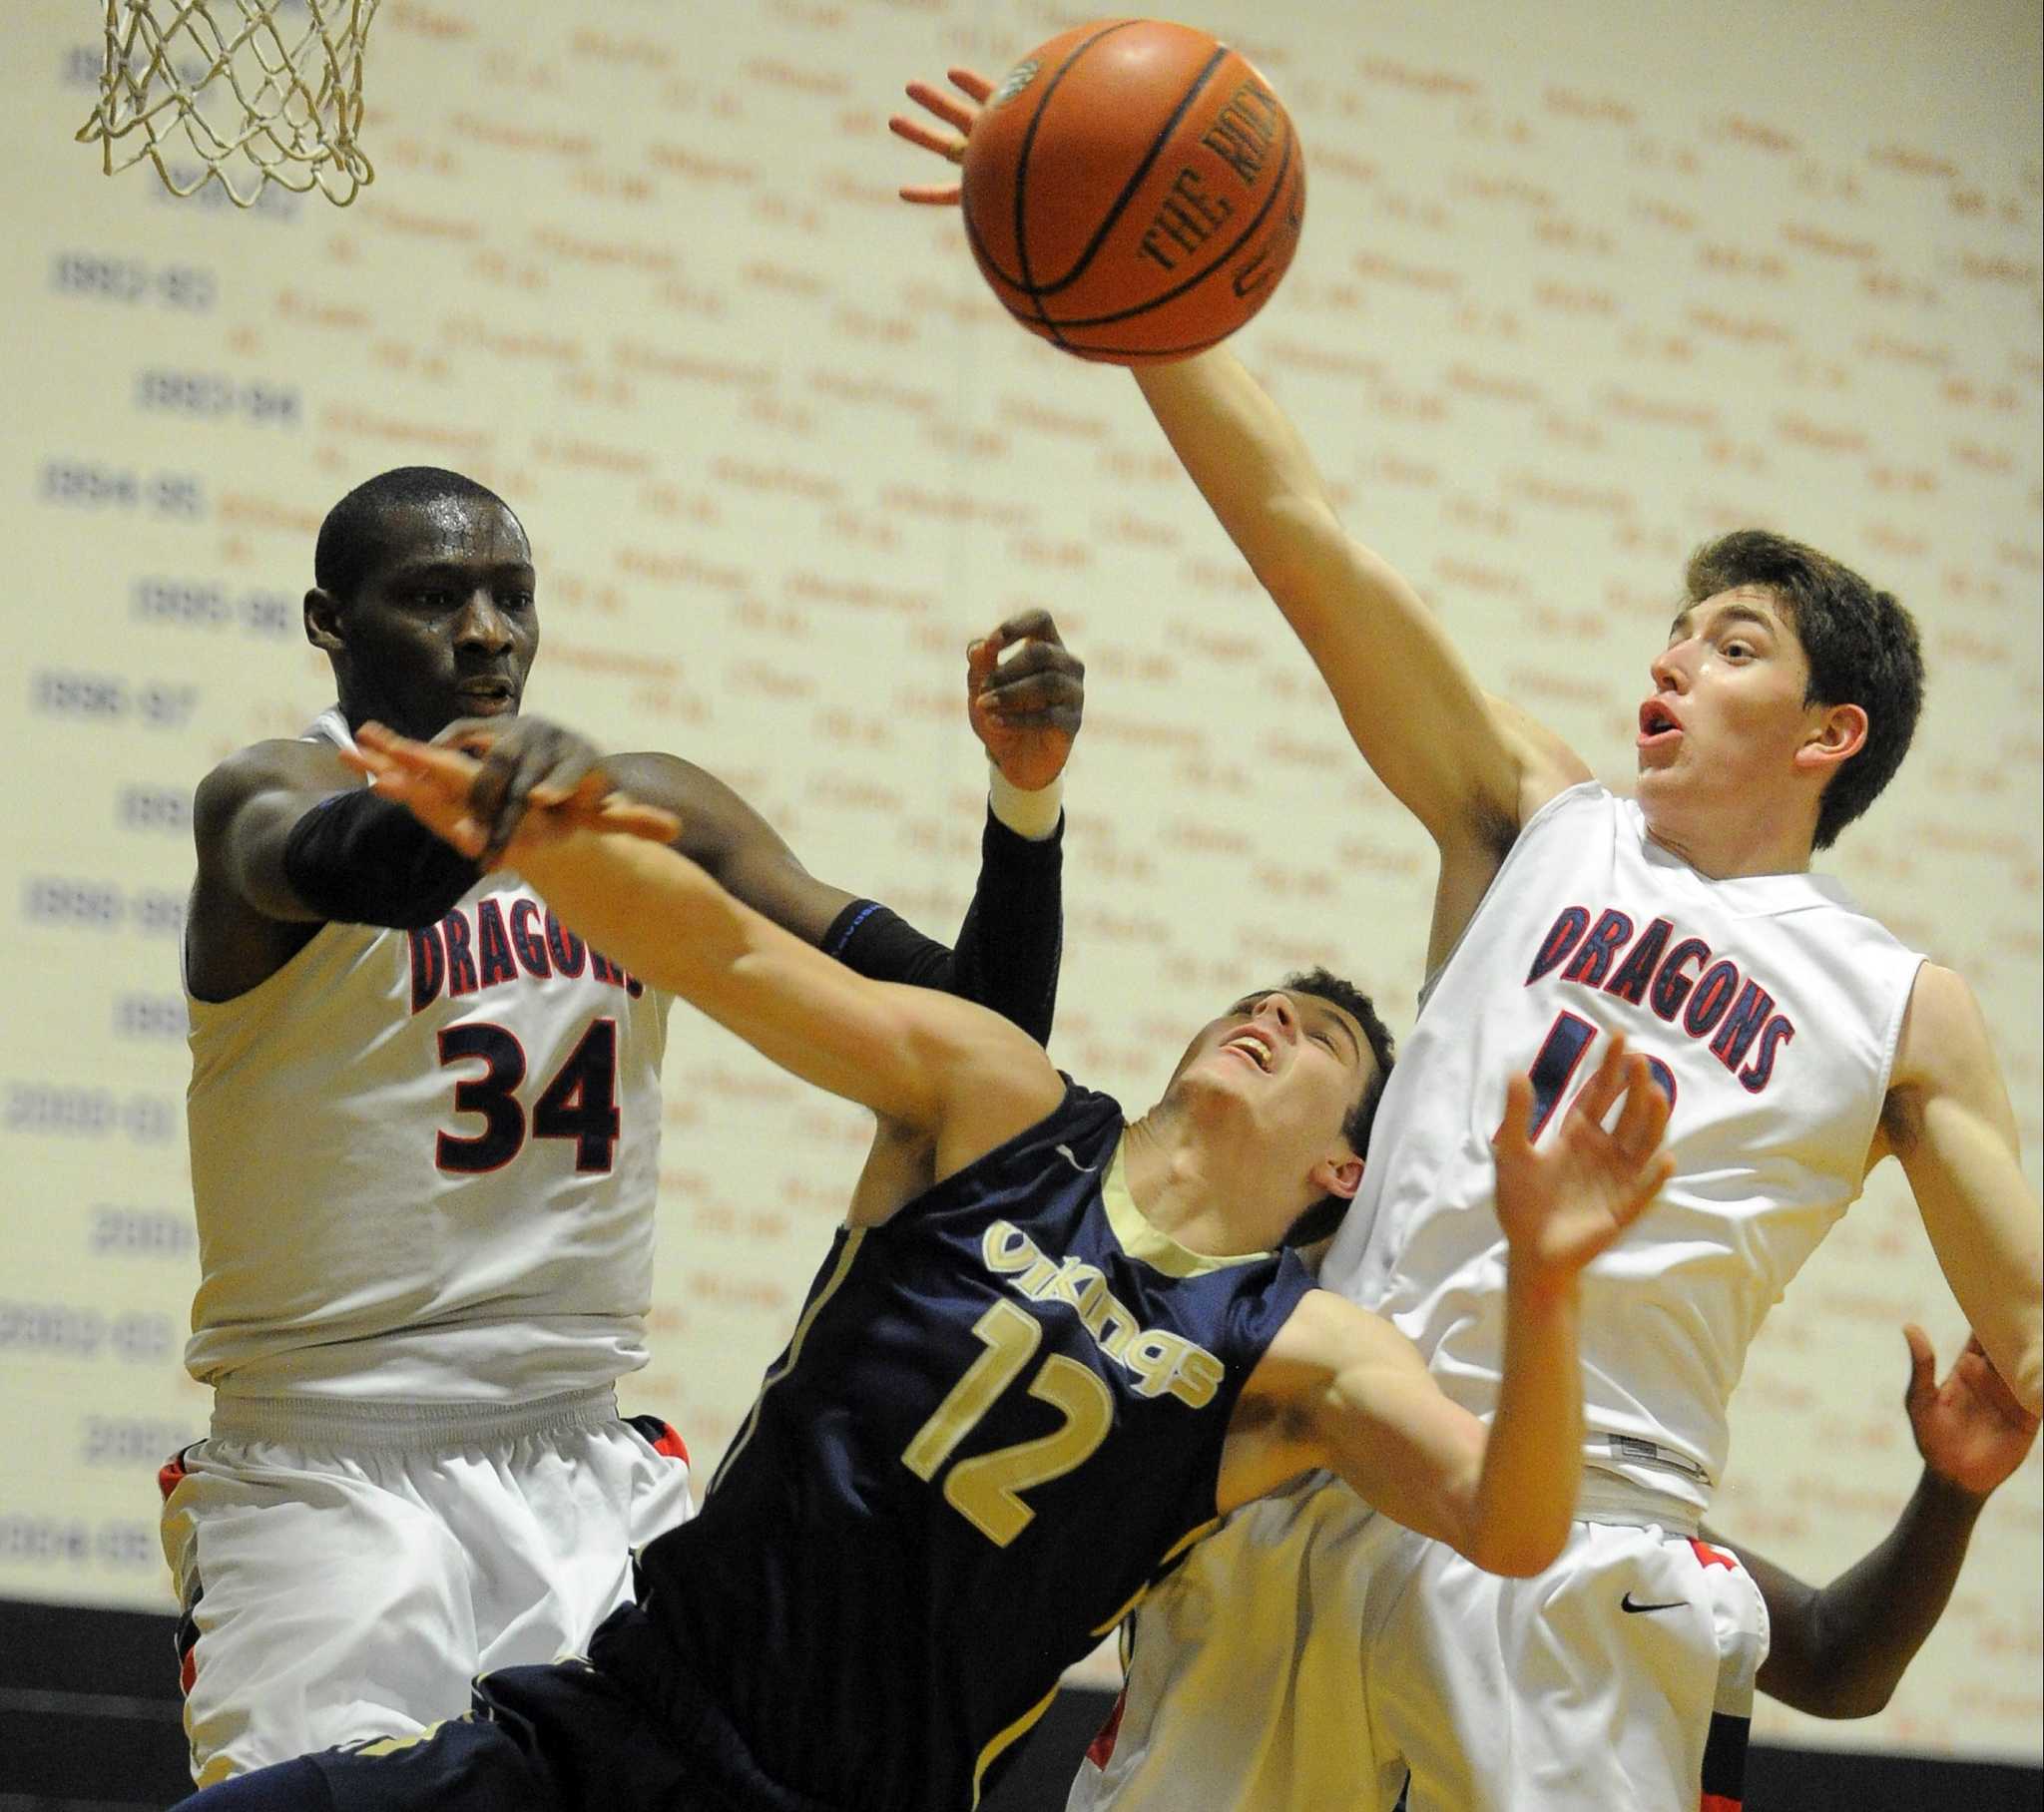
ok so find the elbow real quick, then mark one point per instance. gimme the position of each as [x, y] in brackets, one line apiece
[1839, 1699]
[2028, 1382]
[1296, 543]
[1862, 1704]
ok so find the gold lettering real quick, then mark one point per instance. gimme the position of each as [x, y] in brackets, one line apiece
[1074, 1277]
[1153, 1356]
[1110, 1324]
[1197, 1376]
[1005, 1248]
[1161, 1361]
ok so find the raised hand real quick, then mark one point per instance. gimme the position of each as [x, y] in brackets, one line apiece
[1562, 1205]
[1026, 708]
[949, 144]
[437, 784]
[522, 759]
[1970, 1430]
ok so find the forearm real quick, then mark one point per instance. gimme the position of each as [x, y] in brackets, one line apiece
[1840, 1652]
[357, 859]
[1245, 456]
[1012, 941]
[1525, 1496]
[1008, 948]
[1991, 1259]
[1406, 696]
[665, 919]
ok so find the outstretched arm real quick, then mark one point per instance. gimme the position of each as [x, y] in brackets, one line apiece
[1949, 1120]
[1839, 1650]
[287, 840]
[1409, 698]
[1025, 697]
[1341, 1388]
[938, 1066]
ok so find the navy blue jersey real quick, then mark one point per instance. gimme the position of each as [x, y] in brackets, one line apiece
[1000, 1414]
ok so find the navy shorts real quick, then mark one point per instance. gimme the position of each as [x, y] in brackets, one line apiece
[563, 1738]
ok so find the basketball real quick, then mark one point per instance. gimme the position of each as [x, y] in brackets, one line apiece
[1133, 191]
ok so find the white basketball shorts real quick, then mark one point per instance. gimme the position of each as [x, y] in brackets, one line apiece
[1312, 1654]
[345, 1572]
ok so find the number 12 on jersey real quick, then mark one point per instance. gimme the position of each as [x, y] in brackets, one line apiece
[1561, 1056]
[987, 1489]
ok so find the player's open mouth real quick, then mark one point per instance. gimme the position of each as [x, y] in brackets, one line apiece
[1254, 1047]
[485, 697]
[1659, 727]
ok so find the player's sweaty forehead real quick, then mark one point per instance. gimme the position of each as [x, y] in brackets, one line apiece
[1749, 605]
[459, 534]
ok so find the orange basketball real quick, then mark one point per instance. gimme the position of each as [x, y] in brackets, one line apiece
[1133, 191]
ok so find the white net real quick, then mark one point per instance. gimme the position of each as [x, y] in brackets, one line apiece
[242, 92]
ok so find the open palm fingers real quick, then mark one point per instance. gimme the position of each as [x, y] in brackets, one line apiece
[1643, 1122]
[430, 782]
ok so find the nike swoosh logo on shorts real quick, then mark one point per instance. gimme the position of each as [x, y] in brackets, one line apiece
[1626, 1604]
[1065, 1152]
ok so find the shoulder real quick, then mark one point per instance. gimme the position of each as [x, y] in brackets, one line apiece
[717, 824]
[1547, 765]
[1326, 1332]
[285, 766]
[663, 780]
[1944, 1034]
[992, 1080]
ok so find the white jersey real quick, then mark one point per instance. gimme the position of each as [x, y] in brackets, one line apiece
[424, 1162]
[1769, 1006]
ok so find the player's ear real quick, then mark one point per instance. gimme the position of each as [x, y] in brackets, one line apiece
[322, 621]
[1337, 1175]
[1836, 734]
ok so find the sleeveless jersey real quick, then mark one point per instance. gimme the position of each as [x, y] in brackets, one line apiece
[424, 1161]
[1769, 1006]
[999, 1415]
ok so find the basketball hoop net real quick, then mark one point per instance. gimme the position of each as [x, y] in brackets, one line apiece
[248, 91]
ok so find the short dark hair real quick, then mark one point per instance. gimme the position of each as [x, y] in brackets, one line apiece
[1862, 646]
[1325, 1214]
[351, 538]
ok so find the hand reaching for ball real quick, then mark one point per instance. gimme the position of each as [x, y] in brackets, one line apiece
[1132, 189]
[948, 145]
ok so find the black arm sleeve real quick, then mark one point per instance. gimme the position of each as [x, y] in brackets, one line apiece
[1008, 948]
[362, 860]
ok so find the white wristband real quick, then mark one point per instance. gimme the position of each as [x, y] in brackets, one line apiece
[1033, 815]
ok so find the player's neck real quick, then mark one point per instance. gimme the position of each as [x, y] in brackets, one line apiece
[1731, 845]
[1207, 1193]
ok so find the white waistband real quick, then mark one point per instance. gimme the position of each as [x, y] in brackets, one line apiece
[343, 1421]
[1609, 1496]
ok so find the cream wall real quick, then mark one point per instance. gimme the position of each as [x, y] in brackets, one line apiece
[1579, 286]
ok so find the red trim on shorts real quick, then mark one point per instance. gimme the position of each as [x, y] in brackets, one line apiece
[1714, 1556]
[170, 1474]
[188, 1670]
[1717, 1802]
[1099, 1751]
[668, 1442]
[661, 1437]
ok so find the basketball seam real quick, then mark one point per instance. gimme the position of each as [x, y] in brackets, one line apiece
[1156, 354]
[1022, 171]
[1220, 264]
[1221, 55]
[971, 234]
